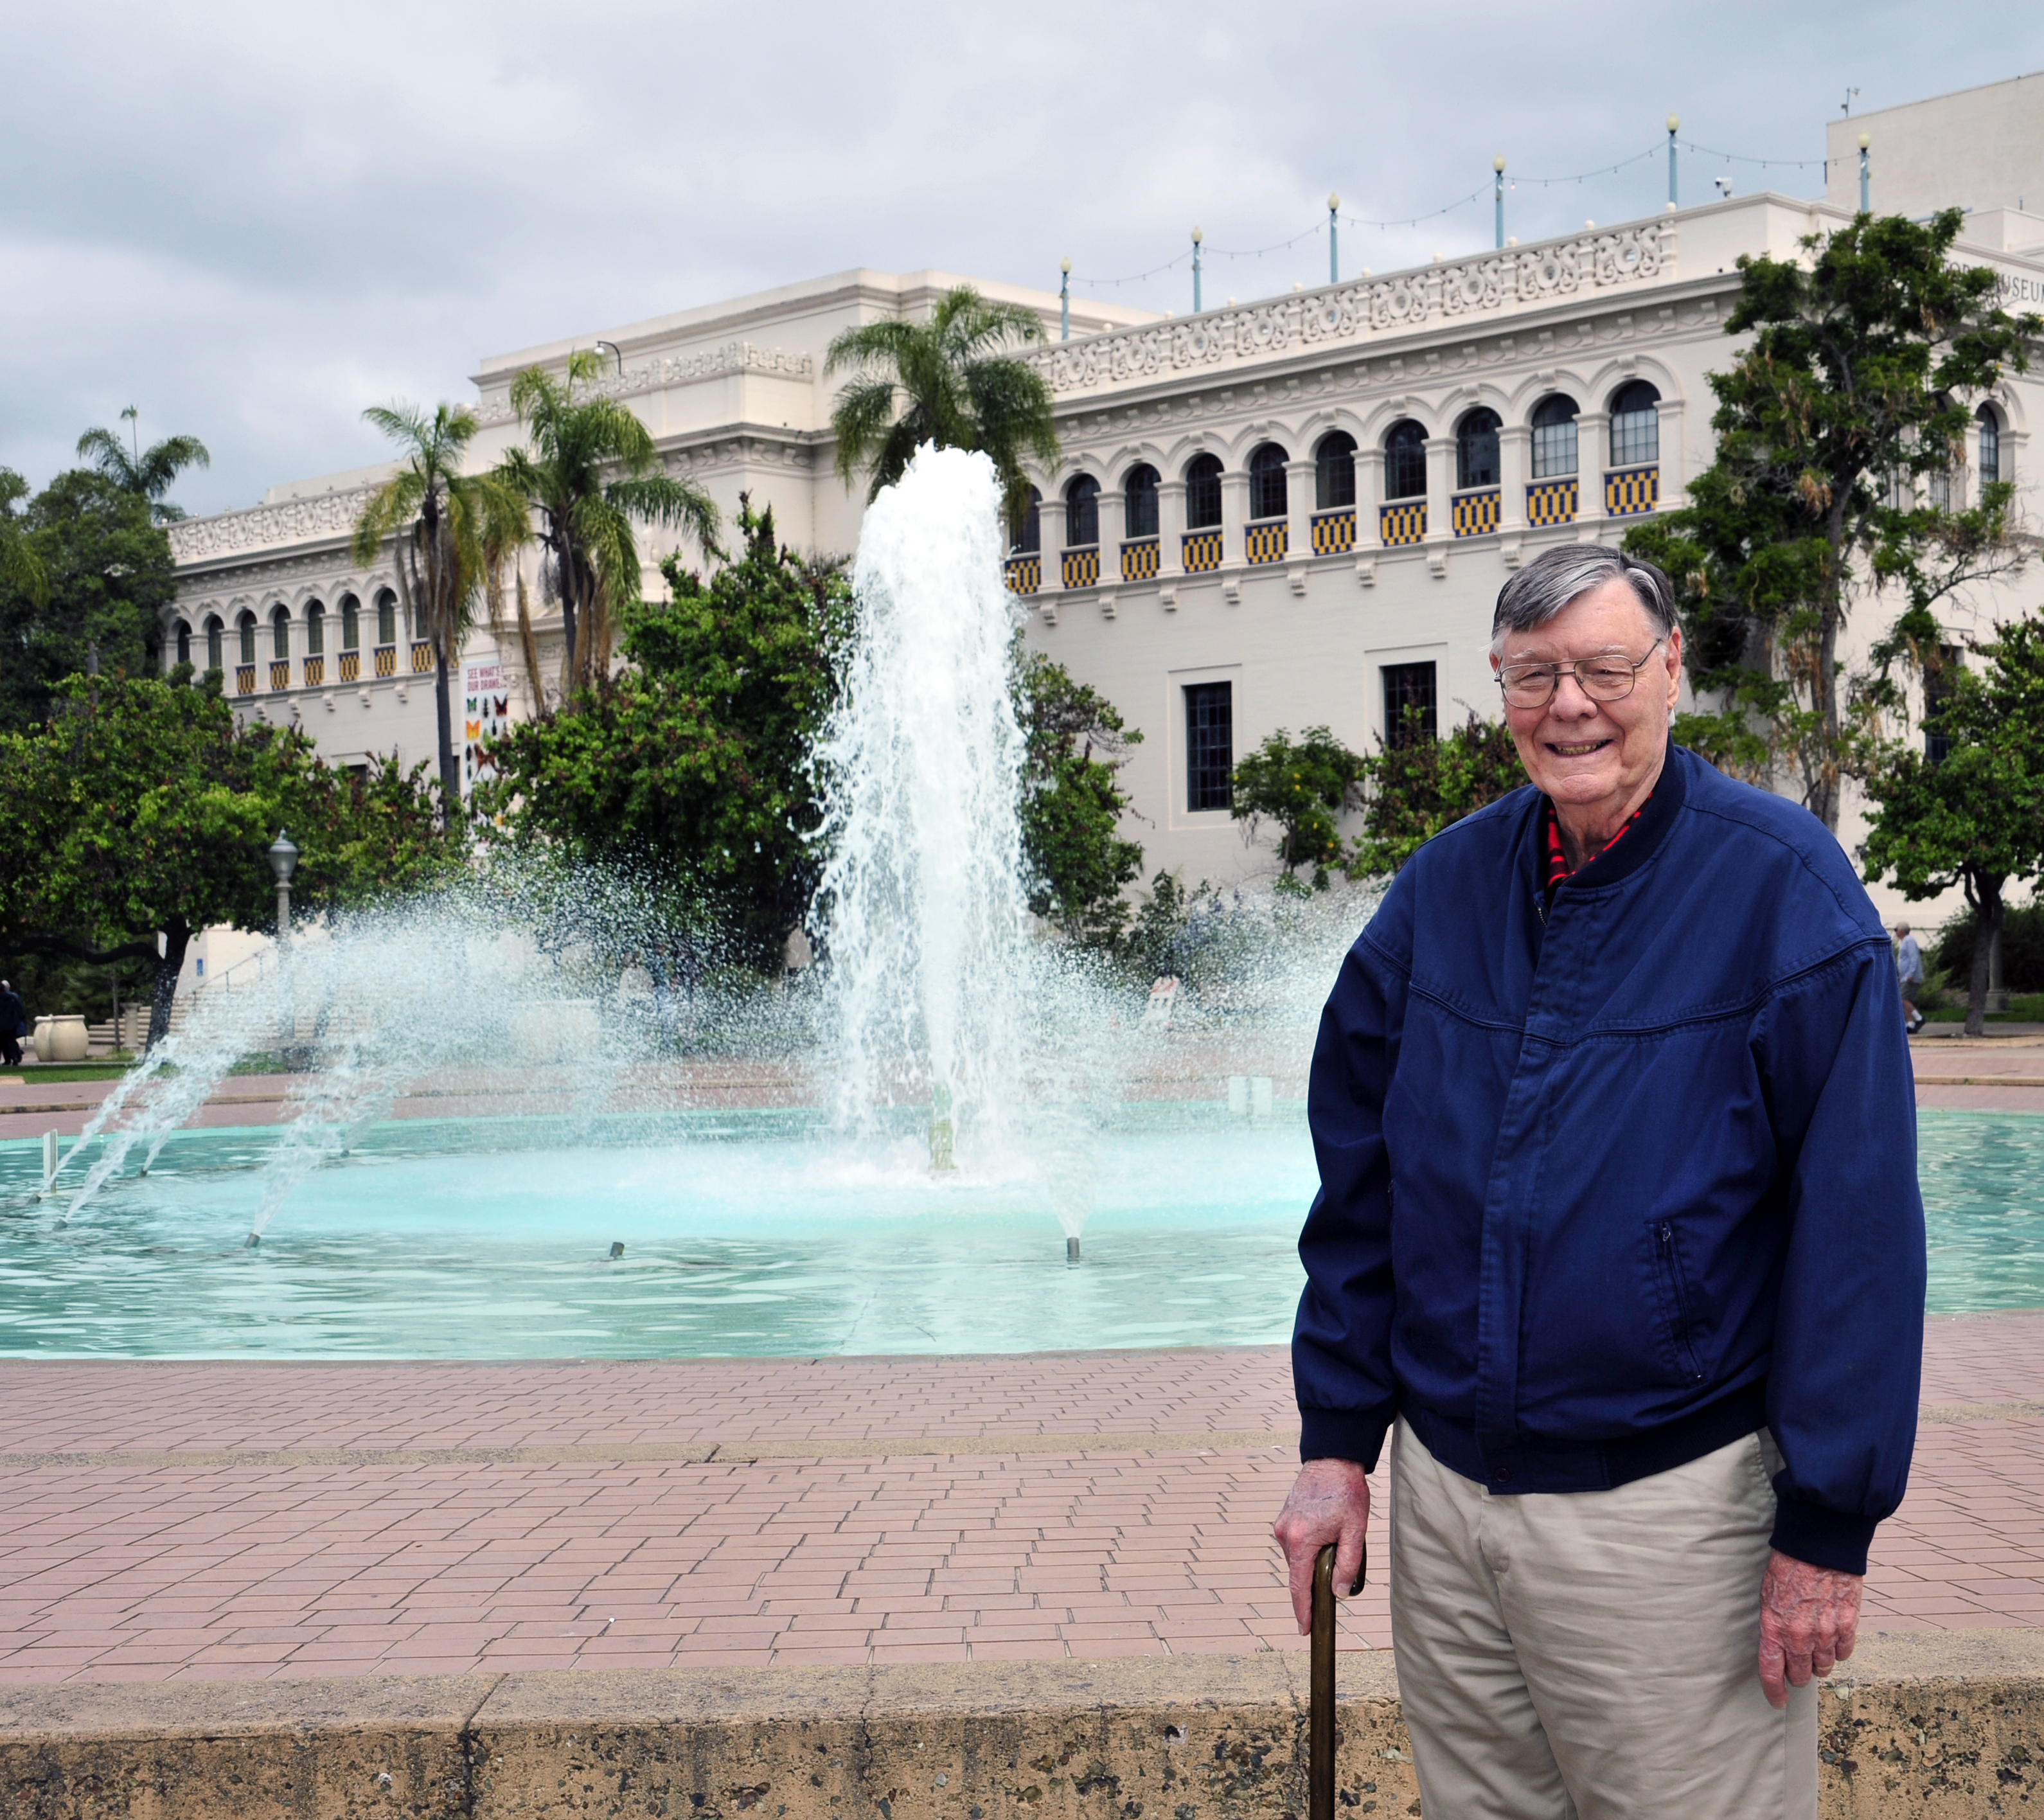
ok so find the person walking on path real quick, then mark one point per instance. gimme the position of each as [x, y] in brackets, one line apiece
[1909, 971]
[13, 1024]
[1618, 1239]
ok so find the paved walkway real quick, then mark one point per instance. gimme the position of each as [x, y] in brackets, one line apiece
[184, 1522]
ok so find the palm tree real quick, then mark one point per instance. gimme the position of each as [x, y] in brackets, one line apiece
[450, 529]
[20, 566]
[585, 519]
[953, 385]
[148, 473]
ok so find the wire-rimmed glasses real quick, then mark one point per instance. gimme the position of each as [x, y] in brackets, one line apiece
[1604, 677]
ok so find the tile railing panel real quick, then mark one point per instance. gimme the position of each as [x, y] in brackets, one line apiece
[1630, 491]
[1080, 568]
[1473, 514]
[1403, 523]
[1264, 543]
[351, 666]
[387, 659]
[1025, 574]
[1334, 532]
[1551, 502]
[280, 673]
[244, 678]
[1140, 559]
[1202, 551]
[315, 672]
[422, 658]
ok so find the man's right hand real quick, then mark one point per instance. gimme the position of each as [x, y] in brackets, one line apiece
[1329, 1502]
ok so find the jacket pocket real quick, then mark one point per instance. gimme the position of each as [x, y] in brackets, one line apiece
[1672, 1282]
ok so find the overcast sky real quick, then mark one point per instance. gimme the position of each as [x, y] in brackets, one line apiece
[252, 221]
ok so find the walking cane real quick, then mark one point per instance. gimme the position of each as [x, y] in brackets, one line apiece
[1320, 1713]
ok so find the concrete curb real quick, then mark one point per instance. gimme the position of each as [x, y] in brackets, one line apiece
[1945, 1723]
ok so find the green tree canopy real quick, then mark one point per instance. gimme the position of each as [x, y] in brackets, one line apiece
[1304, 786]
[102, 572]
[1414, 786]
[590, 471]
[140, 811]
[1975, 817]
[1841, 432]
[1072, 801]
[950, 381]
[692, 765]
[150, 473]
[450, 530]
[21, 569]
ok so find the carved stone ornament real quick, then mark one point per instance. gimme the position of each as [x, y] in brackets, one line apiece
[288, 521]
[677, 370]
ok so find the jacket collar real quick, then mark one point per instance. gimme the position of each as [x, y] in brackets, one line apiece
[1642, 840]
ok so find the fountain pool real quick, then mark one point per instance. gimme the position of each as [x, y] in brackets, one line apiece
[755, 1234]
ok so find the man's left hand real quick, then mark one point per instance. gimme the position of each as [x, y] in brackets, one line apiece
[1809, 1620]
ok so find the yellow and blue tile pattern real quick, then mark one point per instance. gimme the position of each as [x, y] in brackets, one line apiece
[1551, 502]
[1025, 574]
[1202, 551]
[1333, 533]
[1631, 490]
[1139, 560]
[1473, 514]
[1405, 523]
[1080, 568]
[1264, 543]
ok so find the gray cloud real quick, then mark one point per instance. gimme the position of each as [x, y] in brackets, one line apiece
[252, 221]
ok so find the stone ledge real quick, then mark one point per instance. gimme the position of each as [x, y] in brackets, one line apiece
[1949, 1723]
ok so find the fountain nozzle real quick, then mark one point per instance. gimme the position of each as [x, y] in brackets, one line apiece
[252, 1240]
[940, 1130]
[1072, 1248]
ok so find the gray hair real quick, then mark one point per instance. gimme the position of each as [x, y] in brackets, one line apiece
[1568, 571]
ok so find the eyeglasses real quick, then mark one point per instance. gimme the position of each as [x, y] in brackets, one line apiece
[1601, 678]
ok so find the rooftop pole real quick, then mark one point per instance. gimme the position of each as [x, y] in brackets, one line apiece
[1334, 240]
[1865, 139]
[1064, 302]
[1497, 193]
[1674, 121]
[1197, 236]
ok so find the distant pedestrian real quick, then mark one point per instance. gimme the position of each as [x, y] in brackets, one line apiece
[13, 1024]
[1909, 969]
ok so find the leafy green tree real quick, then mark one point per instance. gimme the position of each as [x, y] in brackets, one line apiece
[590, 471]
[950, 381]
[1072, 802]
[102, 573]
[140, 811]
[1304, 786]
[1838, 426]
[150, 473]
[1974, 818]
[1416, 786]
[692, 764]
[450, 529]
[21, 569]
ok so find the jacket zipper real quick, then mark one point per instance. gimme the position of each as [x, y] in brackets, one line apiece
[1679, 1289]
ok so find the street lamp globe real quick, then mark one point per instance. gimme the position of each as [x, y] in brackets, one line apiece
[283, 857]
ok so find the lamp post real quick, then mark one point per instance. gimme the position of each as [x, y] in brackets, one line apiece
[1865, 139]
[1334, 242]
[1197, 236]
[618, 351]
[283, 862]
[1497, 193]
[1674, 121]
[1065, 300]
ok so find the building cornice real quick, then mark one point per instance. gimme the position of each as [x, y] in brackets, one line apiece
[327, 518]
[677, 370]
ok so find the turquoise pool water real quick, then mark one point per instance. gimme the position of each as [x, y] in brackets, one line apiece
[747, 1237]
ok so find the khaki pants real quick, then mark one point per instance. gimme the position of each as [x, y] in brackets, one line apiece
[1590, 1655]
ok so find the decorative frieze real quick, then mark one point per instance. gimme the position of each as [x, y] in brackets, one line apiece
[678, 370]
[1455, 292]
[323, 516]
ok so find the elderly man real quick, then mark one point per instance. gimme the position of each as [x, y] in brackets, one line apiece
[1619, 1236]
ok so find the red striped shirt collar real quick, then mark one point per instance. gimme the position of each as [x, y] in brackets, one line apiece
[1556, 871]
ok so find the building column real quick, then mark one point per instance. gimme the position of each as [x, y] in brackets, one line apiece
[1050, 540]
[1234, 515]
[1674, 468]
[1170, 530]
[1592, 438]
[1440, 488]
[1113, 521]
[1368, 497]
[1300, 478]
[1515, 467]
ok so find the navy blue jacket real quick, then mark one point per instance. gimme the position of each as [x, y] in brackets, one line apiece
[1605, 1189]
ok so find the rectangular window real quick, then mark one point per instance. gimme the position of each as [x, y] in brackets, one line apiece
[387, 618]
[1409, 713]
[315, 630]
[1635, 437]
[1553, 449]
[351, 624]
[1209, 746]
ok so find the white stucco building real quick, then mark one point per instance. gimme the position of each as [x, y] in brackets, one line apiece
[1291, 512]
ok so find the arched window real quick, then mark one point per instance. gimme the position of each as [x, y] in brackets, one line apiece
[1202, 492]
[1406, 461]
[1635, 424]
[280, 632]
[214, 630]
[184, 642]
[1554, 437]
[1266, 482]
[1082, 513]
[350, 623]
[248, 635]
[1139, 491]
[1029, 538]
[1990, 446]
[1333, 471]
[1476, 449]
[387, 617]
[315, 628]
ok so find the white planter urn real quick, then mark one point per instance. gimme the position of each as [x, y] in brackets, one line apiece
[60, 1037]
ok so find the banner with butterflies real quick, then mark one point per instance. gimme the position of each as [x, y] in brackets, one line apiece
[485, 715]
